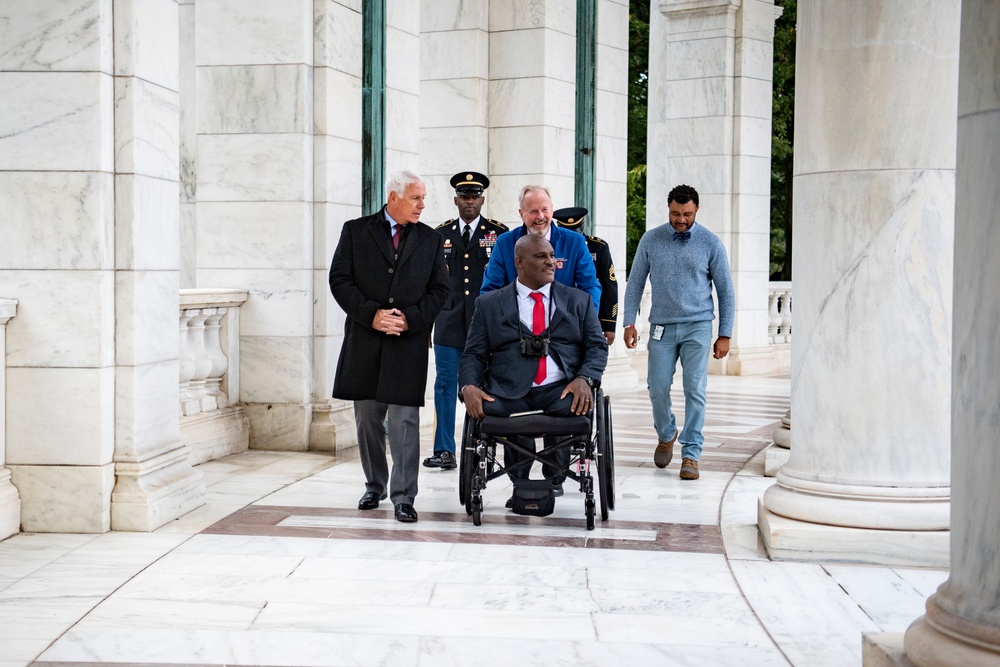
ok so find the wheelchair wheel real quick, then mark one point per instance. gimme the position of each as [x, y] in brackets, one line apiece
[476, 503]
[466, 460]
[610, 454]
[605, 469]
[591, 512]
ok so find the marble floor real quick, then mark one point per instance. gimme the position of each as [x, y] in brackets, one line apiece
[280, 568]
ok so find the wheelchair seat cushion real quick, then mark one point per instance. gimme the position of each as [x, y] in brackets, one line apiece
[535, 425]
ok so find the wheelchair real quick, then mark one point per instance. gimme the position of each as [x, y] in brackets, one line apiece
[587, 437]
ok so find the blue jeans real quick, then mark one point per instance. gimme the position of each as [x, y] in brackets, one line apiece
[445, 395]
[691, 342]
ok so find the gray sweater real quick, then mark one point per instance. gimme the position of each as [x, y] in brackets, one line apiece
[681, 274]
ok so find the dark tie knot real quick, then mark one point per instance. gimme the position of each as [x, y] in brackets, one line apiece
[682, 236]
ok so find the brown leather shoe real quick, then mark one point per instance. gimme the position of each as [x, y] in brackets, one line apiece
[664, 452]
[689, 469]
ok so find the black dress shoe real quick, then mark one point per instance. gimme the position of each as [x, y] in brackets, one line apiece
[370, 500]
[406, 513]
[510, 503]
[443, 460]
[557, 490]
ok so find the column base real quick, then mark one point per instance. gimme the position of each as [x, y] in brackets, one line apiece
[941, 639]
[884, 649]
[10, 506]
[151, 492]
[333, 428]
[280, 426]
[212, 435]
[620, 374]
[64, 499]
[749, 361]
[775, 457]
[790, 539]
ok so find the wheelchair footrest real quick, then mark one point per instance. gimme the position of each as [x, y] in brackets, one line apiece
[533, 497]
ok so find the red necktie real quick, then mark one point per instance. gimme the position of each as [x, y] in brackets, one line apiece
[537, 327]
[395, 236]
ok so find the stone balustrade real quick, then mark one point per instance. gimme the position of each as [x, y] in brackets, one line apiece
[779, 303]
[213, 423]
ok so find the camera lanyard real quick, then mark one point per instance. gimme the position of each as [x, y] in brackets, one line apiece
[548, 323]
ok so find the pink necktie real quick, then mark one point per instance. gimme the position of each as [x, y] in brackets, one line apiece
[537, 327]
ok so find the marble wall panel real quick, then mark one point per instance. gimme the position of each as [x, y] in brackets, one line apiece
[697, 98]
[504, 190]
[612, 116]
[446, 151]
[612, 68]
[146, 316]
[328, 316]
[904, 244]
[252, 32]
[754, 137]
[63, 318]
[753, 213]
[146, 232]
[707, 173]
[57, 35]
[147, 40]
[188, 245]
[328, 222]
[531, 101]
[60, 416]
[62, 121]
[525, 14]
[701, 58]
[266, 235]
[402, 118]
[276, 369]
[65, 499]
[404, 16]
[402, 61]
[280, 427]
[526, 53]
[758, 19]
[56, 220]
[396, 159]
[279, 303]
[337, 103]
[338, 36]
[146, 129]
[880, 128]
[252, 99]
[146, 408]
[456, 54]
[753, 98]
[445, 15]
[698, 136]
[755, 58]
[453, 103]
[753, 175]
[254, 167]
[550, 149]
[610, 158]
[612, 24]
[337, 171]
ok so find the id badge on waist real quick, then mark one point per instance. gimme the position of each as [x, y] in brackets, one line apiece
[657, 332]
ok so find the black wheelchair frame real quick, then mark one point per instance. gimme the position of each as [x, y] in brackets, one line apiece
[588, 437]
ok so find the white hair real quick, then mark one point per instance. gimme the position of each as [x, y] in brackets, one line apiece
[531, 188]
[399, 181]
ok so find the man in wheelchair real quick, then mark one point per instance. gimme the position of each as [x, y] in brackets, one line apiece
[533, 346]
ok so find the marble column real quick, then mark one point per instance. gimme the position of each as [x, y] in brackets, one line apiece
[868, 477]
[88, 179]
[962, 623]
[10, 502]
[710, 72]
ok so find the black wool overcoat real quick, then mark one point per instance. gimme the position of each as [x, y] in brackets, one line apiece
[367, 275]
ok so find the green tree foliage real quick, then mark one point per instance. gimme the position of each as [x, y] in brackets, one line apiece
[782, 135]
[638, 74]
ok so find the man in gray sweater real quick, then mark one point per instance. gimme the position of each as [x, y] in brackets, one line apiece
[682, 261]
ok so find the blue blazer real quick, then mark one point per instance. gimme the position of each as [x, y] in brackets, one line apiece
[492, 358]
[574, 265]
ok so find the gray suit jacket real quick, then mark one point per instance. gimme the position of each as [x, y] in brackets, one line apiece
[492, 358]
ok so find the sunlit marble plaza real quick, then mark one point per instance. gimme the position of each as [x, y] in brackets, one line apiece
[178, 487]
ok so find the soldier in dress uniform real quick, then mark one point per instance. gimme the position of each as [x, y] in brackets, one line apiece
[468, 242]
[572, 218]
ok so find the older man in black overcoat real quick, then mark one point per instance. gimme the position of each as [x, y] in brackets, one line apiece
[389, 276]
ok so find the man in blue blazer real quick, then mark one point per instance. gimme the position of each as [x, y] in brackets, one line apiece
[574, 266]
[497, 378]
